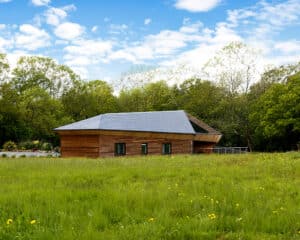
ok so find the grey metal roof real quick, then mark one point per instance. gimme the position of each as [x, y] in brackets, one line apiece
[160, 121]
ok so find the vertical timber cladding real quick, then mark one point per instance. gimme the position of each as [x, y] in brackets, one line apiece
[203, 147]
[79, 145]
[133, 144]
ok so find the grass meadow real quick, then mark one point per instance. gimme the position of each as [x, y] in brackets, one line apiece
[250, 196]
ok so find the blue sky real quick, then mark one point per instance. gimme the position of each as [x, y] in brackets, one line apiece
[103, 39]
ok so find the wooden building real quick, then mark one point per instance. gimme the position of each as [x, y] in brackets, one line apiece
[137, 133]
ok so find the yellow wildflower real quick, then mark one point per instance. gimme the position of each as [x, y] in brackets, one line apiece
[151, 219]
[9, 221]
[212, 216]
[237, 205]
[33, 221]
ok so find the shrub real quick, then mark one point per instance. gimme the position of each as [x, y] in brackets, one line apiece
[56, 149]
[36, 144]
[9, 146]
[26, 145]
[4, 155]
[46, 146]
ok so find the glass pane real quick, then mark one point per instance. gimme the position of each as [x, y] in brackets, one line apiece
[144, 148]
[120, 149]
[167, 148]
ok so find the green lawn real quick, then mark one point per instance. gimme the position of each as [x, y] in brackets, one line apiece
[251, 196]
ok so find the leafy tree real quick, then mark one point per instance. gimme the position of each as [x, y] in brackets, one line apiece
[156, 96]
[201, 99]
[132, 100]
[234, 67]
[4, 69]
[10, 120]
[40, 114]
[159, 96]
[276, 115]
[87, 99]
[45, 73]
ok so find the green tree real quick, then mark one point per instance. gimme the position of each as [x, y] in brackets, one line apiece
[132, 100]
[11, 125]
[87, 99]
[4, 69]
[276, 115]
[201, 99]
[45, 73]
[156, 96]
[159, 96]
[40, 114]
[234, 67]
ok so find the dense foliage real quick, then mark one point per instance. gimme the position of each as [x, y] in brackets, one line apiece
[250, 196]
[39, 95]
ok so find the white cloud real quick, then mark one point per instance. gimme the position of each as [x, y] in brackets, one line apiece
[94, 28]
[147, 21]
[118, 28]
[4, 43]
[280, 14]
[54, 16]
[31, 38]
[288, 46]
[265, 19]
[2, 26]
[87, 52]
[40, 2]
[4, 1]
[68, 30]
[196, 5]
[191, 28]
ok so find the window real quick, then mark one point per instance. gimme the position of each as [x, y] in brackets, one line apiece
[120, 149]
[144, 148]
[166, 148]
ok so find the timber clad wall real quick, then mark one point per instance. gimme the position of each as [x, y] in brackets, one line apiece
[203, 147]
[104, 145]
[80, 145]
[133, 145]
[175, 131]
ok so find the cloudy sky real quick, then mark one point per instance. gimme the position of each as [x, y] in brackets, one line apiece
[101, 39]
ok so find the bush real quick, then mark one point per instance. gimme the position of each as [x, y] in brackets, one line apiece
[56, 149]
[9, 146]
[46, 146]
[36, 144]
[26, 145]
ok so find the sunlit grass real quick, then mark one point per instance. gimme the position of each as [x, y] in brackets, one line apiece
[252, 196]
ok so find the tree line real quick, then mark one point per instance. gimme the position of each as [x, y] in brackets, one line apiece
[39, 94]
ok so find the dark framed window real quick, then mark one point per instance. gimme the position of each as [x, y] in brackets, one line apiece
[120, 149]
[166, 148]
[144, 148]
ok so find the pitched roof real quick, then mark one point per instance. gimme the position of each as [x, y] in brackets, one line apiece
[159, 121]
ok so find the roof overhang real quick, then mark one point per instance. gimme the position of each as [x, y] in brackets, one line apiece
[181, 136]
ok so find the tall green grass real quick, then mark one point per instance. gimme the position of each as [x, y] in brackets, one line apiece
[252, 196]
